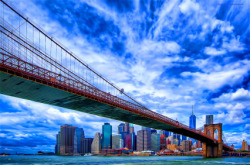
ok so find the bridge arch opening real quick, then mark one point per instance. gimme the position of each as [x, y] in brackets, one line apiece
[216, 134]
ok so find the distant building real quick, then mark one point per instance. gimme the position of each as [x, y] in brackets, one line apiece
[96, 144]
[186, 145]
[170, 139]
[126, 127]
[163, 142]
[183, 138]
[178, 137]
[131, 128]
[79, 133]
[121, 128]
[176, 141]
[209, 119]
[153, 131]
[192, 120]
[106, 136]
[143, 140]
[116, 141]
[172, 147]
[67, 133]
[232, 146]
[58, 143]
[87, 145]
[155, 142]
[146, 129]
[244, 145]
[166, 133]
[128, 141]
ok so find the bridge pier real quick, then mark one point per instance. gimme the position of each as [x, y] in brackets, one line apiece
[213, 150]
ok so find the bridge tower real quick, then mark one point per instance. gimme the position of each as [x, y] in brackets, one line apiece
[213, 150]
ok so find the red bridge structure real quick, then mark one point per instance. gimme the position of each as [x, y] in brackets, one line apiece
[35, 66]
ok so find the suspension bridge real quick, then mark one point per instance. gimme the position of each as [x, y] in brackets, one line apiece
[37, 67]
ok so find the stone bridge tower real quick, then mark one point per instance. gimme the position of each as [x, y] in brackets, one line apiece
[213, 150]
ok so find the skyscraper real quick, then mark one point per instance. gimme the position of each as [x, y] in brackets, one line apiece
[67, 139]
[126, 127]
[166, 133]
[131, 128]
[143, 140]
[121, 128]
[116, 141]
[209, 119]
[87, 142]
[163, 142]
[244, 145]
[178, 137]
[186, 145]
[153, 131]
[106, 136]
[96, 144]
[58, 143]
[79, 133]
[192, 120]
[155, 142]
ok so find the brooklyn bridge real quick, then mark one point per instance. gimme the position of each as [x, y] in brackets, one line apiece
[37, 67]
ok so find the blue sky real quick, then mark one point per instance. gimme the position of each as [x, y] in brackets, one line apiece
[169, 55]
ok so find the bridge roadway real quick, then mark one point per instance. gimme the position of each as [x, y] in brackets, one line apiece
[24, 80]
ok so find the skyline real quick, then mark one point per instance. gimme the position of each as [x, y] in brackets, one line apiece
[165, 72]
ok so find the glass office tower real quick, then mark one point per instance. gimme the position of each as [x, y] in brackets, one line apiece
[106, 136]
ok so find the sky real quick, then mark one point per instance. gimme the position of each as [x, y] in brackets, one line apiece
[169, 55]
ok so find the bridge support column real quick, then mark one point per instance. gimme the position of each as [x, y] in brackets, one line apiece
[213, 150]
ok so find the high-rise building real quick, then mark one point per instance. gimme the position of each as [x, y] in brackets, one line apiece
[183, 138]
[121, 128]
[153, 131]
[131, 128]
[244, 145]
[116, 141]
[146, 129]
[128, 141]
[106, 136]
[67, 139]
[126, 127]
[87, 142]
[143, 140]
[166, 133]
[176, 141]
[186, 145]
[96, 144]
[163, 142]
[178, 137]
[192, 120]
[155, 142]
[170, 139]
[79, 133]
[58, 143]
[209, 119]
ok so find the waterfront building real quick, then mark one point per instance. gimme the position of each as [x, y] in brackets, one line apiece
[128, 141]
[172, 147]
[116, 142]
[143, 140]
[79, 137]
[58, 143]
[121, 128]
[209, 119]
[244, 145]
[67, 133]
[155, 141]
[87, 142]
[163, 142]
[107, 136]
[96, 144]
[186, 145]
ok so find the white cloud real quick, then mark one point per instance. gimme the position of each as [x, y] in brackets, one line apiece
[189, 6]
[213, 51]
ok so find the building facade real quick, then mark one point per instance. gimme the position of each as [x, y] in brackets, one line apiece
[155, 142]
[87, 142]
[106, 136]
[67, 133]
[96, 144]
[143, 140]
[209, 119]
[116, 141]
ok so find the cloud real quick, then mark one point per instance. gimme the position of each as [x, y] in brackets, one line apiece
[188, 6]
